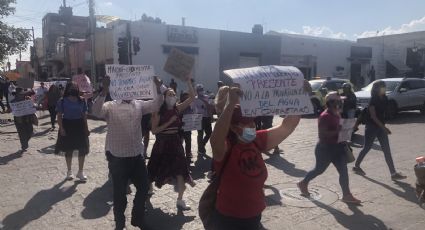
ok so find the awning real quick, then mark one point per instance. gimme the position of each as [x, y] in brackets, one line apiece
[400, 66]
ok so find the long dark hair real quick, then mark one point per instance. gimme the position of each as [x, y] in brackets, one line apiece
[376, 87]
[67, 89]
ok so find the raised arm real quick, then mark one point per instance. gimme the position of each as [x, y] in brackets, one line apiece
[182, 106]
[222, 126]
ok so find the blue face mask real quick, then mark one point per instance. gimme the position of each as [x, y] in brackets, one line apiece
[248, 135]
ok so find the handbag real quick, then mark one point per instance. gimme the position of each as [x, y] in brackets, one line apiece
[206, 207]
[348, 151]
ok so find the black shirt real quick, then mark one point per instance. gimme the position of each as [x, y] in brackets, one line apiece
[380, 104]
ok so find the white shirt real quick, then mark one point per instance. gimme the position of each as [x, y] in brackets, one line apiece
[124, 135]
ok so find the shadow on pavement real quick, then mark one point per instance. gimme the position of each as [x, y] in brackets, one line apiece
[100, 129]
[13, 156]
[156, 219]
[99, 202]
[408, 118]
[277, 161]
[408, 193]
[201, 166]
[358, 220]
[40, 204]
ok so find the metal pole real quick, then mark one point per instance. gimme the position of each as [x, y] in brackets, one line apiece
[92, 21]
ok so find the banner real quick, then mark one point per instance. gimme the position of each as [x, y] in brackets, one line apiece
[131, 81]
[192, 122]
[346, 129]
[179, 64]
[271, 90]
[22, 108]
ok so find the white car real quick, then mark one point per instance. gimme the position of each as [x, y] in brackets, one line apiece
[403, 94]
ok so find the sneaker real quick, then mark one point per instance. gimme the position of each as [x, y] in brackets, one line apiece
[359, 171]
[69, 175]
[182, 205]
[398, 176]
[81, 176]
[303, 188]
[350, 199]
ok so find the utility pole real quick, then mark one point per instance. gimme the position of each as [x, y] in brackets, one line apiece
[92, 23]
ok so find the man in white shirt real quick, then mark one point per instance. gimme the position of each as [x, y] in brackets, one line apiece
[124, 149]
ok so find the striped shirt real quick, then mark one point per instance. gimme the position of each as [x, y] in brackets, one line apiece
[124, 135]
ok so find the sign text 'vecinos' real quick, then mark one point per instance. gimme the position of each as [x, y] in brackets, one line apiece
[271, 90]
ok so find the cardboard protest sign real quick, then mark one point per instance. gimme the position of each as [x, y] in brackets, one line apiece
[131, 81]
[26, 83]
[179, 64]
[346, 129]
[271, 90]
[192, 122]
[22, 108]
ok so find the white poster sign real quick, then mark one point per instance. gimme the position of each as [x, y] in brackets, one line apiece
[22, 108]
[192, 122]
[131, 81]
[271, 90]
[346, 129]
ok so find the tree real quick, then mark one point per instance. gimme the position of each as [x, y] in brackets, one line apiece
[12, 39]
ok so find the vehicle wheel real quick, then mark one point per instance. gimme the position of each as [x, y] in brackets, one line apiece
[391, 110]
[316, 107]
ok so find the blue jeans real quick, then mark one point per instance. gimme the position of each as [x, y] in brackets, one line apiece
[372, 131]
[325, 155]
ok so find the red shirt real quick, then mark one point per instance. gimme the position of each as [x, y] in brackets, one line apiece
[240, 193]
[329, 122]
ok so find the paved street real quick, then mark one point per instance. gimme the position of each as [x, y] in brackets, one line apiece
[35, 196]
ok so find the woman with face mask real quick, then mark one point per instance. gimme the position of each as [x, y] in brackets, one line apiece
[73, 129]
[237, 148]
[375, 128]
[328, 150]
[168, 163]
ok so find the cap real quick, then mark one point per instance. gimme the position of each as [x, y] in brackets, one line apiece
[332, 96]
[237, 117]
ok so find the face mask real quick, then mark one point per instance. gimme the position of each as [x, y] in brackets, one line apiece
[248, 135]
[171, 101]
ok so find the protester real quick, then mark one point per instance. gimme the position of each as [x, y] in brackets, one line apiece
[350, 101]
[168, 163]
[124, 150]
[53, 96]
[187, 135]
[40, 95]
[202, 106]
[73, 129]
[375, 128]
[328, 150]
[23, 123]
[236, 145]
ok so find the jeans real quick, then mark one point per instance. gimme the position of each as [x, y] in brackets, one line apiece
[122, 170]
[203, 140]
[372, 131]
[222, 222]
[325, 155]
[25, 130]
[52, 111]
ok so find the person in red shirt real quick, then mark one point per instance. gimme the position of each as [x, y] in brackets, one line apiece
[236, 143]
[328, 150]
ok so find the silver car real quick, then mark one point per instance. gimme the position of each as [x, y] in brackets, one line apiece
[403, 94]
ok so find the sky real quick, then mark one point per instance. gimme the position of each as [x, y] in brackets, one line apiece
[342, 19]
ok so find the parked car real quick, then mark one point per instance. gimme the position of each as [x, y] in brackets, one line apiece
[321, 87]
[403, 94]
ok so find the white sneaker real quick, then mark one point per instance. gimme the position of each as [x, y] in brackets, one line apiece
[182, 205]
[69, 175]
[81, 176]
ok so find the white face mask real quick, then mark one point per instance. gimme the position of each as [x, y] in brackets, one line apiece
[171, 101]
